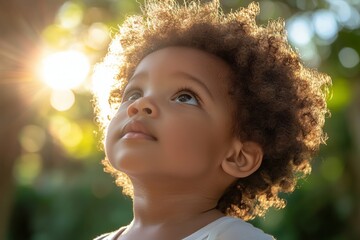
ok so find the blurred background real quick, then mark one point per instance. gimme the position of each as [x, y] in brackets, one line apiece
[51, 181]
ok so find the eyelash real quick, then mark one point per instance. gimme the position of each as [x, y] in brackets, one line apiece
[127, 94]
[189, 90]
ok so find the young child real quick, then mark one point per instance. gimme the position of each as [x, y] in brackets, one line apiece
[211, 118]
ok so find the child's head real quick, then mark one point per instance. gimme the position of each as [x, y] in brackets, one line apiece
[274, 101]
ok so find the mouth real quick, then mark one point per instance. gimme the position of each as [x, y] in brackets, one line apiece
[137, 130]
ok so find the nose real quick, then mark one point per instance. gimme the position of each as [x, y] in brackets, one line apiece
[143, 105]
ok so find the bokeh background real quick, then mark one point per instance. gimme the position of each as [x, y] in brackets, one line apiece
[51, 181]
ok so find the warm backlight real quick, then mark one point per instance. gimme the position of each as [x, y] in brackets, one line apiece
[64, 70]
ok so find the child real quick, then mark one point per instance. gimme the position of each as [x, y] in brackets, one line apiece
[211, 118]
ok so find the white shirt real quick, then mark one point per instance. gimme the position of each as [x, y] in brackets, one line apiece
[224, 228]
[229, 228]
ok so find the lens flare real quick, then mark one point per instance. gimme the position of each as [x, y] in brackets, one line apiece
[64, 70]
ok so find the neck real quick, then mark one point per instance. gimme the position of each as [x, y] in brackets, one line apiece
[165, 204]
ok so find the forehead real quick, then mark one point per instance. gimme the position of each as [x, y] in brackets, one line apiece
[210, 69]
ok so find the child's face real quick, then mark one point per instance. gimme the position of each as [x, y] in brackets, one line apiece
[175, 117]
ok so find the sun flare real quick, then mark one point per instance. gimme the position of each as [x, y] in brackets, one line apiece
[64, 70]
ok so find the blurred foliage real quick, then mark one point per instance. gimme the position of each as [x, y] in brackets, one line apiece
[61, 191]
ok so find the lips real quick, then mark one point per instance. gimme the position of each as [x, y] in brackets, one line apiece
[136, 130]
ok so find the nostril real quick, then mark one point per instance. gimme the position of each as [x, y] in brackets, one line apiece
[132, 111]
[147, 110]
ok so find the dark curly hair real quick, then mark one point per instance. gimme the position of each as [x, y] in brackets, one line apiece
[280, 103]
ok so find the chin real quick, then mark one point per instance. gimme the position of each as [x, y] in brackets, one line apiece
[130, 165]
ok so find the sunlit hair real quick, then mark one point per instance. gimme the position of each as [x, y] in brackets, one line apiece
[279, 103]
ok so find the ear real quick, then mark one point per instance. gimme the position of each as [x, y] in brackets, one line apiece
[243, 159]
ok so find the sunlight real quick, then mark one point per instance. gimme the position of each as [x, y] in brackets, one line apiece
[68, 133]
[349, 57]
[32, 138]
[70, 15]
[28, 167]
[62, 100]
[98, 36]
[300, 30]
[64, 70]
[325, 25]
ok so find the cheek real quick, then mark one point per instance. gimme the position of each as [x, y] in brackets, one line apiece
[110, 143]
[192, 146]
[108, 138]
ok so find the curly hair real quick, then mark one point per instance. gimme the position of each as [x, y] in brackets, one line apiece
[280, 103]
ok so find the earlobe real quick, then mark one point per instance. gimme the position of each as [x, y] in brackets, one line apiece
[244, 159]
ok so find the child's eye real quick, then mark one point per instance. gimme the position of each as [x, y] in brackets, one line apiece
[132, 96]
[188, 97]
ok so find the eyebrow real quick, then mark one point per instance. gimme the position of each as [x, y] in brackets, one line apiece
[182, 74]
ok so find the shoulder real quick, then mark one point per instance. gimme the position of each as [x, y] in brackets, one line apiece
[102, 236]
[237, 229]
[110, 236]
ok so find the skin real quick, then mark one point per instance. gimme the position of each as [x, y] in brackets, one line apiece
[172, 136]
